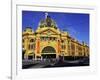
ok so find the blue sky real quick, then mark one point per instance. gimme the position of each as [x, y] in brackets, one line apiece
[77, 24]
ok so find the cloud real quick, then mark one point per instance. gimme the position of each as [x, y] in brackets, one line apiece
[73, 32]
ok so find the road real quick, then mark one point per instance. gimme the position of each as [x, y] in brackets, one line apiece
[47, 64]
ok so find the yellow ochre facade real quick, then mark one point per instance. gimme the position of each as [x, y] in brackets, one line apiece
[48, 40]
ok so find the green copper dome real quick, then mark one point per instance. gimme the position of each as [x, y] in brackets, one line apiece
[47, 22]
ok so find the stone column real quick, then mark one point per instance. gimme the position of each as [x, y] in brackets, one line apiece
[58, 48]
[26, 47]
[83, 51]
[70, 47]
[75, 49]
[66, 48]
[37, 47]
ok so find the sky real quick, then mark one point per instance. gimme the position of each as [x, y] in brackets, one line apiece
[77, 24]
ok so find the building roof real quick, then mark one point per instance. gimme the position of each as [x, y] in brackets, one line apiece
[47, 22]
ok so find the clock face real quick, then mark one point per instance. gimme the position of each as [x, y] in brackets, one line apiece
[48, 23]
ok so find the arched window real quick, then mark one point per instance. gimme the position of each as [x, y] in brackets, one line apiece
[48, 49]
[32, 40]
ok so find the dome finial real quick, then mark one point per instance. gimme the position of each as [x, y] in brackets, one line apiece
[46, 14]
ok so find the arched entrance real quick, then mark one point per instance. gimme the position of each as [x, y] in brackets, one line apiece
[31, 56]
[48, 52]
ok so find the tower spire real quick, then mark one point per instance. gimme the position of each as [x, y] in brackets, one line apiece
[46, 14]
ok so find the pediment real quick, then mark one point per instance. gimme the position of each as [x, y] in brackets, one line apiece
[49, 31]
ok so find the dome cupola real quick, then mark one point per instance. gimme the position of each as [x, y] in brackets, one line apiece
[47, 22]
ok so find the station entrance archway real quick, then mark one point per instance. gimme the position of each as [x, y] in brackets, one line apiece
[49, 52]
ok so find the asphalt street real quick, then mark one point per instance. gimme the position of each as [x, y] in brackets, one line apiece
[49, 64]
